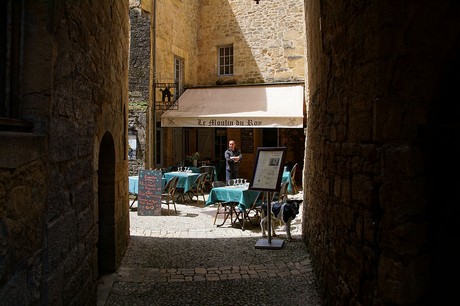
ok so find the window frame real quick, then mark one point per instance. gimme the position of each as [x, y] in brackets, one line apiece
[179, 75]
[225, 60]
[12, 28]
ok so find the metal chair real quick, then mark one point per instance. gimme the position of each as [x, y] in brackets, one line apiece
[198, 188]
[254, 212]
[228, 207]
[209, 170]
[167, 195]
[295, 190]
[282, 195]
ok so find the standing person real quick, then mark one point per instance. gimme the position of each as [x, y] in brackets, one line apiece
[233, 157]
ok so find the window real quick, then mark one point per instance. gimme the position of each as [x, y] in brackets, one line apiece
[11, 28]
[226, 60]
[10, 52]
[178, 76]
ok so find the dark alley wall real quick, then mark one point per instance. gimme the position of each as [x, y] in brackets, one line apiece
[71, 83]
[382, 141]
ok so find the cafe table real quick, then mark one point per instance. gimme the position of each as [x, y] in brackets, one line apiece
[133, 187]
[133, 184]
[237, 194]
[287, 178]
[186, 180]
[199, 170]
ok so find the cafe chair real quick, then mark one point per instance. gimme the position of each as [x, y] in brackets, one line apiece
[295, 190]
[224, 208]
[180, 194]
[167, 196]
[198, 189]
[253, 214]
[209, 170]
[282, 195]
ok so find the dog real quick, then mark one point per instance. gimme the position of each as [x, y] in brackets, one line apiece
[285, 212]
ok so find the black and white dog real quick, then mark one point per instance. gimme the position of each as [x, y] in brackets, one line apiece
[285, 212]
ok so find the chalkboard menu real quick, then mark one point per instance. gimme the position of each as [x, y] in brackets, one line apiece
[149, 196]
[247, 141]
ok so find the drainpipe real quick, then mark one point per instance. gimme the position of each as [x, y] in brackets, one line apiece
[152, 115]
[154, 146]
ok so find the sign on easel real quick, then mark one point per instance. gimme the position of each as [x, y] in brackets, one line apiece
[268, 172]
[149, 194]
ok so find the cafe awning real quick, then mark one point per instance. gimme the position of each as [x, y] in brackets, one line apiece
[277, 106]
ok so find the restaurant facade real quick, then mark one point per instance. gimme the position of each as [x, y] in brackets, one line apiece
[220, 70]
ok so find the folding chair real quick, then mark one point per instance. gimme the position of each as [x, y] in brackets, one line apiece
[295, 190]
[254, 212]
[209, 170]
[167, 195]
[198, 188]
[224, 208]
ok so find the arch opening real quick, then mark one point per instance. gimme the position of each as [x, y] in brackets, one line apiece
[106, 206]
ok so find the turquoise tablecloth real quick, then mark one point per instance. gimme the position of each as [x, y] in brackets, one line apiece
[186, 179]
[134, 184]
[287, 178]
[244, 197]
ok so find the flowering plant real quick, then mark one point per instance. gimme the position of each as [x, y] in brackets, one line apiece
[194, 156]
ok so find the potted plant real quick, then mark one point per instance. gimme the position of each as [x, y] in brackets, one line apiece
[195, 158]
[192, 159]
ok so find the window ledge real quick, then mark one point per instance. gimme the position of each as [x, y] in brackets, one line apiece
[15, 125]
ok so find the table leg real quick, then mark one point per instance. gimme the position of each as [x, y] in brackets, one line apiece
[180, 196]
[240, 216]
[132, 203]
[230, 212]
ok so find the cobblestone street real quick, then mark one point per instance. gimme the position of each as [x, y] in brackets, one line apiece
[187, 260]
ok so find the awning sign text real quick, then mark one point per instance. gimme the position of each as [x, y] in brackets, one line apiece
[226, 122]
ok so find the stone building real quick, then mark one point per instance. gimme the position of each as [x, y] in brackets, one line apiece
[382, 138]
[381, 152]
[267, 48]
[139, 85]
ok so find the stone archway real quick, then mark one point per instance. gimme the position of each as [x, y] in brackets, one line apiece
[441, 150]
[106, 206]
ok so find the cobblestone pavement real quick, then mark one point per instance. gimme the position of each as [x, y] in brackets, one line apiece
[185, 259]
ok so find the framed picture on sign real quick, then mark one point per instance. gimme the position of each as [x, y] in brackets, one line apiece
[268, 168]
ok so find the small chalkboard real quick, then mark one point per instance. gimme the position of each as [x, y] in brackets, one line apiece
[149, 196]
[247, 141]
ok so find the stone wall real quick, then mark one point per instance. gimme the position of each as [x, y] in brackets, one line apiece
[268, 41]
[177, 30]
[74, 88]
[139, 55]
[376, 221]
[24, 177]
[140, 68]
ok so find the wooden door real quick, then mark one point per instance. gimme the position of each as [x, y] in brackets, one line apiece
[205, 143]
[178, 148]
